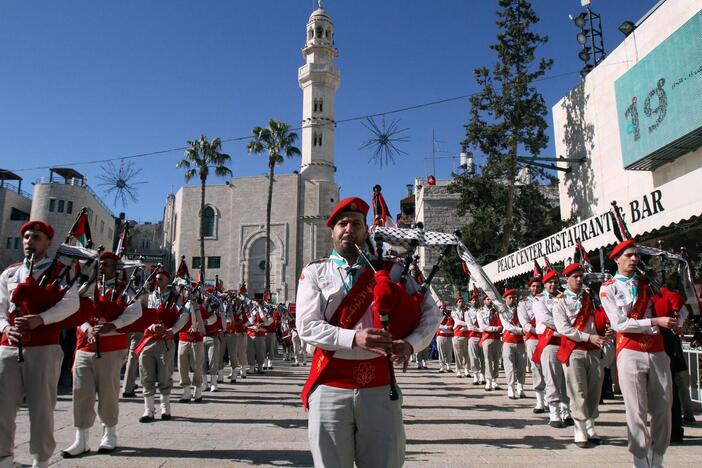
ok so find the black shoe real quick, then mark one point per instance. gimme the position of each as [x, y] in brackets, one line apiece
[102, 450]
[497, 387]
[688, 420]
[584, 445]
[165, 417]
[538, 411]
[128, 395]
[556, 424]
[232, 380]
[65, 454]
[197, 400]
[568, 421]
[595, 440]
[146, 419]
[184, 400]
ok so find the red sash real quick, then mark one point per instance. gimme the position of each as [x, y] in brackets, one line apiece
[640, 341]
[473, 333]
[494, 322]
[531, 336]
[545, 339]
[350, 311]
[167, 317]
[568, 345]
[508, 337]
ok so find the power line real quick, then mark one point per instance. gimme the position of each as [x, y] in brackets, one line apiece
[242, 138]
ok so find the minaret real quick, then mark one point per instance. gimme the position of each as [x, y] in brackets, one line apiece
[319, 80]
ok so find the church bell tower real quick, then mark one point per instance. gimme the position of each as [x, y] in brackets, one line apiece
[319, 80]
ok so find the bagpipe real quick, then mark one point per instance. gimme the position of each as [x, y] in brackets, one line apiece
[399, 311]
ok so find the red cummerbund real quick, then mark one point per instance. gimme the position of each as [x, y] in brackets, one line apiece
[508, 337]
[555, 341]
[640, 342]
[530, 336]
[107, 343]
[189, 337]
[444, 334]
[353, 373]
[585, 345]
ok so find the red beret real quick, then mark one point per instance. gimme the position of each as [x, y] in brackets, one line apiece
[535, 279]
[348, 204]
[509, 292]
[621, 247]
[475, 294]
[550, 274]
[572, 268]
[459, 298]
[109, 255]
[37, 226]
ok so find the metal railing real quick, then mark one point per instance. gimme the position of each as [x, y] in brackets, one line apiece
[14, 188]
[77, 183]
[693, 357]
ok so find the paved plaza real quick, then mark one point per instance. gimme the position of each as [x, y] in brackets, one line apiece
[260, 421]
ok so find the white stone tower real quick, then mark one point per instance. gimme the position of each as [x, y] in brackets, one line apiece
[319, 80]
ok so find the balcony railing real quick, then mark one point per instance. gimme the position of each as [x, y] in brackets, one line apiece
[14, 188]
[77, 183]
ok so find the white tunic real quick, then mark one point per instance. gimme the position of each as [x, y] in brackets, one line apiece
[618, 301]
[321, 289]
[543, 305]
[565, 312]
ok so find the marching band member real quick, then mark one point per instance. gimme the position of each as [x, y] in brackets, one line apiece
[212, 342]
[101, 350]
[546, 350]
[228, 347]
[258, 320]
[351, 418]
[34, 379]
[157, 349]
[444, 338]
[191, 350]
[460, 339]
[271, 339]
[582, 328]
[475, 352]
[642, 365]
[490, 329]
[240, 342]
[525, 311]
[298, 345]
[513, 351]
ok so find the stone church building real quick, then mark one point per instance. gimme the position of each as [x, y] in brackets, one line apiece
[235, 213]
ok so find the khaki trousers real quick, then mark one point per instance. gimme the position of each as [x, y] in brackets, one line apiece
[360, 425]
[132, 362]
[443, 343]
[583, 375]
[227, 346]
[514, 360]
[212, 346]
[256, 350]
[475, 356]
[298, 348]
[460, 353]
[191, 355]
[96, 378]
[492, 350]
[554, 377]
[240, 345]
[156, 367]
[34, 379]
[271, 344]
[537, 375]
[646, 384]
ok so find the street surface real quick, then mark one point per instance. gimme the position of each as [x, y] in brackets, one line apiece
[260, 421]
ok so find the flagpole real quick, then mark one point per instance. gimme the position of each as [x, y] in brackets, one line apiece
[45, 273]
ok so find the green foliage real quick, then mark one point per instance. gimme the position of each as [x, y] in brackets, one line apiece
[506, 120]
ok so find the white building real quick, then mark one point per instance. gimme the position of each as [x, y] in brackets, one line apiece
[235, 213]
[15, 206]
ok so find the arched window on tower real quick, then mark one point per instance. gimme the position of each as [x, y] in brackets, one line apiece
[326, 34]
[320, 31]
[209, 216]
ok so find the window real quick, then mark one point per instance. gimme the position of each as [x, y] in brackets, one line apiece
[319, 31]
[52, 205]
[18, 215]
[69, 207]
[326, 34]
[102, 226]
[17, 243]
[9, 243]
[61, 205]
[209, 218]
[196, 263]
[109, 233]
[213, 262]
[144, 244]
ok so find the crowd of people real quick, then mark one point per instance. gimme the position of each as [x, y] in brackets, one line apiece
[361, 317]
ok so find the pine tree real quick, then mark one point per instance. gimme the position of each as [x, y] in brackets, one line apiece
[507, 120]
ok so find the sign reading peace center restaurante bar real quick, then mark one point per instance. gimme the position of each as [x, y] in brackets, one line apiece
[673, 202]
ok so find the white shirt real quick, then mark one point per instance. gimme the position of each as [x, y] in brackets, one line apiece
[542, 308]
[16, 274]
[565, 311]
[506, 321]
[618, 301]
[471, 317]
[484, 315]
[321, 289]
[157, 298]
[525, 313]
[458, 316]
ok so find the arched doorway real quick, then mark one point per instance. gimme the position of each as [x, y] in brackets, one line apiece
[256, 277]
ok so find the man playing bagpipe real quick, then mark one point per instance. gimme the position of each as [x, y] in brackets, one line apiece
[341, 303]
[191, 349]
[271, 336]
[214, 327]
[298, 344]
[101, 350]
[238, 357]
[460, 338]
[475, 352]
[156, 350]
[525, 311]
[31, 309]
[582, 328]
[642, 364]
[546, 350]
[513, 350]
[444, 339]
[490, 329]
[256, 325]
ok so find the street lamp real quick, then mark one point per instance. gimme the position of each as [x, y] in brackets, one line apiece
[627, 27]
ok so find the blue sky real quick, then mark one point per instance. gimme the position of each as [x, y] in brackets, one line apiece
[88, 80]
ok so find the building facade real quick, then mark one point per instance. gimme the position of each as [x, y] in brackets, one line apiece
[235, 213]
[15, 209]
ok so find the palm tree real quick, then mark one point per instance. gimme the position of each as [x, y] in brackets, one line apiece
[278, 140]
[200, 156]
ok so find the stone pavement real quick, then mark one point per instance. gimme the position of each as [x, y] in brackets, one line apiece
[260, 421]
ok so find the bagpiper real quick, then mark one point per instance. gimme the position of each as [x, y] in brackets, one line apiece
[531, 338]
[444, 339]
[460, 338]
[475, 352]
[513, 351]
[490, 329]
[191, 349]
[33, 328]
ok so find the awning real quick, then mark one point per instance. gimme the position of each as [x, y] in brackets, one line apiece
[670, 203]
